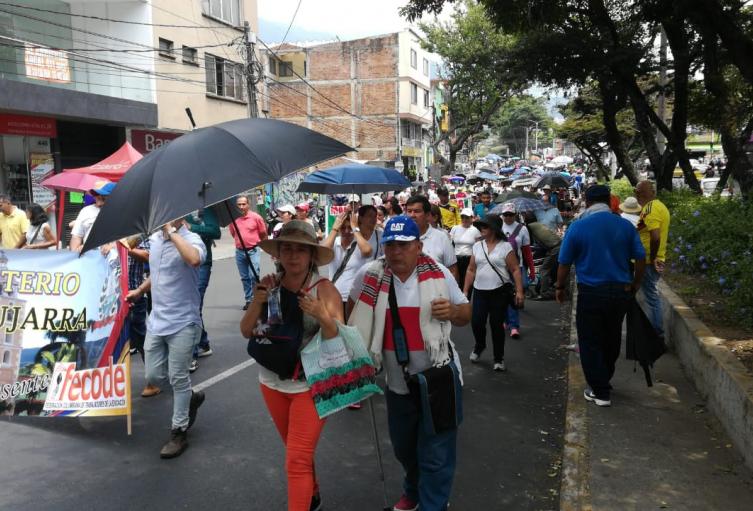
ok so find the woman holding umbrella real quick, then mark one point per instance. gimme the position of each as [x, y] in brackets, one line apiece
[492, 270]
[315, 304]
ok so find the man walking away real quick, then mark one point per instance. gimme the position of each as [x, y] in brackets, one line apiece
[174, 325]
[252, 230]
[601, 246]
[205, 224]
[653, 228]
[548, 239]
[408, 329]
[13, 224]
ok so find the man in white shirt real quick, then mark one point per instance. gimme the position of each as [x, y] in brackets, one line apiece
[82, 226]
[436, 243]
[424, 308]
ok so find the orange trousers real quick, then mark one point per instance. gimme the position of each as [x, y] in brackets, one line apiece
[300, 427]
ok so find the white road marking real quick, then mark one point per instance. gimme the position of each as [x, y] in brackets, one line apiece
[223, 375]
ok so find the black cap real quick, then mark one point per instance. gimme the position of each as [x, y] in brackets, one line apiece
[597, 192]
[493, 222]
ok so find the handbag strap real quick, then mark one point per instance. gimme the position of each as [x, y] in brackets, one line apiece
[344, 263]
[492, 264]
[36, 233]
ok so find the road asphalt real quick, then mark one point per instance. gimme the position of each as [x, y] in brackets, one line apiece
[509, 446]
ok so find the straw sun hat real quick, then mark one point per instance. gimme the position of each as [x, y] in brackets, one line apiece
[631, 205]
[298, 231]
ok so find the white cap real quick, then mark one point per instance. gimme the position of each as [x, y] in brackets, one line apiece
[286, 208]
[547, 187]
[466, 212]
[508, 207]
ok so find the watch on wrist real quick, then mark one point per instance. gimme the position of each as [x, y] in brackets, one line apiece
[356, 229]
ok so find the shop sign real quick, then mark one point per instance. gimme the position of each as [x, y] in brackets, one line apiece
[146, 141]
[412, 152]
[47, 64]
[42, 166]
[12, 124]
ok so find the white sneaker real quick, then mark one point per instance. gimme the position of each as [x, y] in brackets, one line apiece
[591, 397]
[474, 357]
[500, 366]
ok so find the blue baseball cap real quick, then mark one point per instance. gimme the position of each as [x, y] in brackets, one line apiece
[105, 189]
[400, 228]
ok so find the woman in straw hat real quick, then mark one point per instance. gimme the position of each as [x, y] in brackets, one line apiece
[314, 303]
[630, 210]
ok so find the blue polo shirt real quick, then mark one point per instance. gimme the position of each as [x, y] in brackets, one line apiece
[480, 210]
[601, 247]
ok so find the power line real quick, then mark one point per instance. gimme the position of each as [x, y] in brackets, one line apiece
[291, 21]
[100, 18]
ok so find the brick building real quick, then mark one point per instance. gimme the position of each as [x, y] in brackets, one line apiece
[372, 94]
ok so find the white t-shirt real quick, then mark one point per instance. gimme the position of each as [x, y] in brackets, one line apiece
[408, 302]
[523, 238]
[437, 246]
[486, 277]
[464, 238]
[631, 217]
[355, 263]
[84, 222]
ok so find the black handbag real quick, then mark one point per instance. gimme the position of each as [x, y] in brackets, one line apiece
[436, 391]
[278, 348]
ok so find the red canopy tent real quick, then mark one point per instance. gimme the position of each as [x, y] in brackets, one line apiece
[114, 166]
[111, 168]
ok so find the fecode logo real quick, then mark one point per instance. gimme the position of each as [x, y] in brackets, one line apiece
[101, 387]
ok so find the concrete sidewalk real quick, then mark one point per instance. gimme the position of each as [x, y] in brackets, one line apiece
[654, 448]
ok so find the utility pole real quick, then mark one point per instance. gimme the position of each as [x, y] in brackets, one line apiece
[249, 40]
[525, 153]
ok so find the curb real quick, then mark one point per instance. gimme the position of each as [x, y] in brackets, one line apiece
[720, 378]
[575, 492]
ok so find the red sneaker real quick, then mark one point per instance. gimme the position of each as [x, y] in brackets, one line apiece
[405, 504]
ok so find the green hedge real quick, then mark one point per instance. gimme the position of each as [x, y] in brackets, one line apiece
[712, 239]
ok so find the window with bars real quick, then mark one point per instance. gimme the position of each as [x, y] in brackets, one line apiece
[224, 77]
[190, 55]
[285, 68]
[166, 48]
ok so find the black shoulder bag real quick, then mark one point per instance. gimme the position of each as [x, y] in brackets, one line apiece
[436, 391]
[344, 263]
[508, 289]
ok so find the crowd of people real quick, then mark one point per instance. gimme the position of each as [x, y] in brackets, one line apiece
[402, 270]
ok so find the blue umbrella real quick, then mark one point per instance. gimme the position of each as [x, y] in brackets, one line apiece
[354, 178]
[488, 175]
[507, 170]
[492, 156]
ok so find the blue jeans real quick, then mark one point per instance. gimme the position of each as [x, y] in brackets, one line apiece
[513, 316]
[428, 460]
[167, 360]
[489, 304]
[137, 324]
[599, 316]
[247, 277]
[650, 288]
[205, 272]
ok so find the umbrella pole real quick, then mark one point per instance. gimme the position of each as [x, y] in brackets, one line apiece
[387, 507]
[240, 239]
[61, 211]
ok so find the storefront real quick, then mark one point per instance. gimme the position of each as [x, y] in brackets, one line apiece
[26, 158]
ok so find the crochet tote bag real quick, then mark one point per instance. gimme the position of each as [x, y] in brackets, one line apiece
[339, 371]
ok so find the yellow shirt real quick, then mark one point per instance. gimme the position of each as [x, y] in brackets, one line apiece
[13, 227]
[654, 215]
[450, 216]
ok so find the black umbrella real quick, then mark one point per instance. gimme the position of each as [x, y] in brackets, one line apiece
[203, 168]
[515, 194]
[553, 179]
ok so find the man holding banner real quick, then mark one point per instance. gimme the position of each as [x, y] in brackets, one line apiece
[174, 326]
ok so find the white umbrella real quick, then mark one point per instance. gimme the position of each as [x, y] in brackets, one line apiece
[563, 159]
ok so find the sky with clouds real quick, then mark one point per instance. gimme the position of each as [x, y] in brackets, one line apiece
[327, 19]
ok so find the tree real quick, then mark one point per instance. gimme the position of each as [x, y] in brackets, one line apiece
[587, 116]
[475, 70]
[520, 114]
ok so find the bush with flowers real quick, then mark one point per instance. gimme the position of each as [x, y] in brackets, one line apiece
[711, 239]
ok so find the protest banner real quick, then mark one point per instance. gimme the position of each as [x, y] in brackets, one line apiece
[63, 345]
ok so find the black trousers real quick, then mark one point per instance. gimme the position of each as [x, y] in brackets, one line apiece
[492, 306]
[599, 316]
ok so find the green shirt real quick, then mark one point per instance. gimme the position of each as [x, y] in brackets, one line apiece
[207, 227]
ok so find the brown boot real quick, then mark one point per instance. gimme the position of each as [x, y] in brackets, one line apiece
[150, 390]
[176, 445]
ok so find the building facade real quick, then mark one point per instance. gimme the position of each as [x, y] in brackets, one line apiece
[372, 94]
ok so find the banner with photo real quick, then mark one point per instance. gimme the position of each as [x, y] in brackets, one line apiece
[63, 343]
